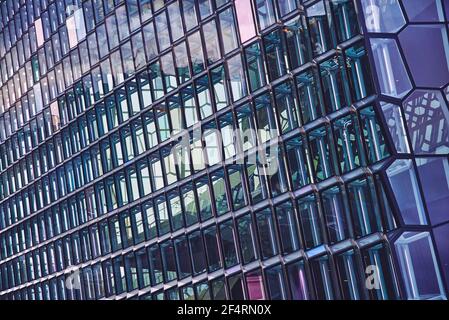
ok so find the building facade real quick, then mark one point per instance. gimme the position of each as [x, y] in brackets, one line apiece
[224, 149]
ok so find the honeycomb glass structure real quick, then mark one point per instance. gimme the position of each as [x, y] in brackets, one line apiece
[224, 149]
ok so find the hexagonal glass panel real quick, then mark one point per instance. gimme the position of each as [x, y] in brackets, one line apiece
[383, 16]
[424, 10]
[427, 118]
[404, 183]
[392, 75]
[419, 267]
[426, 50]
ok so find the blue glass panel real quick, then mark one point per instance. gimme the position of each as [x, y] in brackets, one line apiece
[419, 268]
[427, 119]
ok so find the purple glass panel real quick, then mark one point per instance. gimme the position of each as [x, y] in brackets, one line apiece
[426, 50]
[255, 286]
[383, 16]
[424, 10]
[435, 183]
[393, 78]
[403, 181]
[245, 19]
[441, 235]
[446, 6]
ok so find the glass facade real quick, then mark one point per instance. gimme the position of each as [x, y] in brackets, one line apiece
[224, 149]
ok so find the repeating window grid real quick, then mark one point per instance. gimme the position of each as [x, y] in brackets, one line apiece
[231, 109]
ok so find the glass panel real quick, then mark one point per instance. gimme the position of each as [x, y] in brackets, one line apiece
[156, 265]
[434, 177]
[169, 261]
[219, 289]
[236, 187]
[212, 40]
[336, 213]
[163, 36]
[322, 155]
[228, 244]
[364, 205]
[235, 284]
[228, 32]
[347, 268]
[204, 200]
[287, 6]
[275, 57]
[183, 258]
[150, 41]
[219, 189]
[381, 281]
[247, 239]
[182, 63]
[345, 19]
[197, 253]
[266, 121]
[374, 139]
[203, 291]
[395, 121]
[419, 267]
[212, 248]
[288, 230]
[359, 70]
[189, 10]
[390, 69]
[383, 16]
[298, 281]
[265, 13]
[298, 162]
[267, 235]
[204, 96]
[427, 119]
[320, 33]
[431, 42]
[348, 143]
[176, 211]
[424, 11]
[237, 77]
[287, 108]
[322, 278]
[404, 183]
[218, 78]
[276, 283]
[255, 66]
[196, 52]
[162, 216]
[310, 221]
[297, 42]
[255, 287]
[245, 19]
[334, 84]
[175, 21]
[190, 206]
